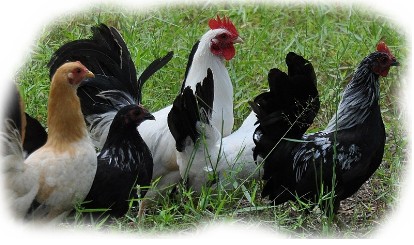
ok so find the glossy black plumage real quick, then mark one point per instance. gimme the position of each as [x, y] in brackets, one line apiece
[341, 157]
[106, 55]
[289, 108]
[123, 163]
[35, 135]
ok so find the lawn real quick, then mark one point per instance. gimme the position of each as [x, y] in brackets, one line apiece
[334, 38]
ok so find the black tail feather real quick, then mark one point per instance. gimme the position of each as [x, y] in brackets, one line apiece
[35, 136]
[155, 66]
[107, 54]
[290, 106]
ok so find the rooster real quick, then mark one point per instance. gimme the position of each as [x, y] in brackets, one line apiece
[204, 158]
[60, 173]
[344, 155]
[214, 48]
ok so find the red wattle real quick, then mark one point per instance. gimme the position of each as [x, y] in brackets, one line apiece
[229, 52]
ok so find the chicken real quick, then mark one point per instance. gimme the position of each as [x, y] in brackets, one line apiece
[60, 173]
[115, 84]
[340, 158]
[21, 184]
[203, 157]
[124, 162]
[214, 47]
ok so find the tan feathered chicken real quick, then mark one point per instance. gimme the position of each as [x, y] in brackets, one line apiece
[52, 179]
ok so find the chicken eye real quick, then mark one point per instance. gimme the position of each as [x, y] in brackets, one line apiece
[223, 36]
[383, 60]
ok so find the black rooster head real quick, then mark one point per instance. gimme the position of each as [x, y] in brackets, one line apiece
[381, 60]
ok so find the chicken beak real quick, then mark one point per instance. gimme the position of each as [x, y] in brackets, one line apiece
[89, 74]
[238, 40]
[149, 116]
[395, 63]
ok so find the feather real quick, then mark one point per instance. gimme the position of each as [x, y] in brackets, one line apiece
[123, 163]
[341, 157]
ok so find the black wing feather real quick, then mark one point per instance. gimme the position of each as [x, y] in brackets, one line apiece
[189, 108]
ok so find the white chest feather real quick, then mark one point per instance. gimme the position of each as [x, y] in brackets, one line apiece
[222, 117]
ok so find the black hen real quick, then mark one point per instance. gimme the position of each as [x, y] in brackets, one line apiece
[344, 155]
[123, 163]
[107, 56]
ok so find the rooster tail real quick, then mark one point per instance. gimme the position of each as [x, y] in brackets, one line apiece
[289, 108]
[106, 53]
[101, 54]
[268, 108]
[152, 68]
[12, 147]
[107, 56]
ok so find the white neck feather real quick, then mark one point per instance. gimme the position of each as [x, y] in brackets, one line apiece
[223, 88]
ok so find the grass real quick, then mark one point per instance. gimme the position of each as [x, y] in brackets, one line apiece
[334, 38]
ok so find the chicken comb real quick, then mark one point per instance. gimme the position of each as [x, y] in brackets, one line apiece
[382, 47]
[224, 23]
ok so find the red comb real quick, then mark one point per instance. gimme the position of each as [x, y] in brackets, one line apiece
[224, 23]
[382, 47]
